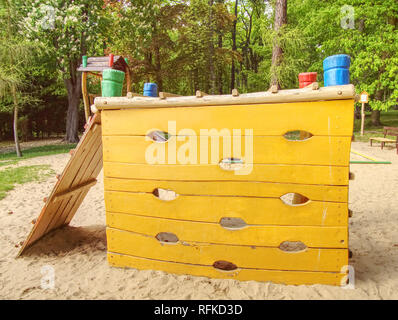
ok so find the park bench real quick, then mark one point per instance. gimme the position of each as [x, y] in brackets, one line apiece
[387, 131]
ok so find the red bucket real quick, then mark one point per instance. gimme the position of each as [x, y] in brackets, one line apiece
[306, 78]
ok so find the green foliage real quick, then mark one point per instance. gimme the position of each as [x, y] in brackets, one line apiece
[372, 42]
[66, 28]
[188, 45]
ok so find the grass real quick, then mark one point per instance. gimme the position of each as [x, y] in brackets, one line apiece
[10, 177]
[36, 152]
[387, 118]
[7, 163]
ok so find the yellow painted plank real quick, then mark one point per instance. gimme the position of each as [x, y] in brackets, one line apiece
[129, 243]
[254, 211]
[328, 175]
[231, 188]
[325, 118]
[276, 276]
[317, 150]
[251, 235]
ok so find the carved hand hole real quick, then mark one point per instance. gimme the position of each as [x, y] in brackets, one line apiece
[158, 136]
[294, 199]
[167, 237]
[292, 246]
[224, 265]
[297, 135]
[233, 223]
[165, 195]
[231, 164]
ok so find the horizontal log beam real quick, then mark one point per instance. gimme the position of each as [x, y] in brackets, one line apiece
[283, 96]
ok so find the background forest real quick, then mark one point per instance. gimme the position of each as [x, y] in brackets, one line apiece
[184, 46]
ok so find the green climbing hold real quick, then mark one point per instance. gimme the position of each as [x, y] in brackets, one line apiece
[112, 83]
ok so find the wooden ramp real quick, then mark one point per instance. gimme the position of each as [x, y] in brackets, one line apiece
[71, 188]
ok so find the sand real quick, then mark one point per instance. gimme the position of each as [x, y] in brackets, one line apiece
[77, 253]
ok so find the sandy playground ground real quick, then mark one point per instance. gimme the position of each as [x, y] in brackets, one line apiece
[78, 252]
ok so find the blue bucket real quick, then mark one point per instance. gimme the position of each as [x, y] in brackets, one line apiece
[336, 70]
[150, 89]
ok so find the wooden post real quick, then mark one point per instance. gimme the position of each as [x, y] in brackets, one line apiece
[364, 98]
[164, 95]
[362, 118]
[200, 94]
[128, 80]
[85, 96]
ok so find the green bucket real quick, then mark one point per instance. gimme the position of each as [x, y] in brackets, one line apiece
[112, 83]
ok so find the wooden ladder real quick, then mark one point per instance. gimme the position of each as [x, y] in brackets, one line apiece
[72, 186]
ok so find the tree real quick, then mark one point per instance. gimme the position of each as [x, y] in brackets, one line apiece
[234, 44]
[15, 54]
[365, 30]
[277, 51]
[69, 29]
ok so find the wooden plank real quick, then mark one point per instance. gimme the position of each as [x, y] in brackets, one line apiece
[276, 276]
[97, 169]
[74, 190]
[89, 172]
[318, 150]
[345, 92]
[93, 68]
[52, 211]
[101, 59]
[251, 235]
[144, 246]
[383, 139]
[321, 118]
[231, 188]
[326, 175]
[254, 211]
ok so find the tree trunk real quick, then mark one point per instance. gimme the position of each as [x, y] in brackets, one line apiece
[219, 78]
[72, 117]
[277, 51]
[16, 138]
[375, 115]
[13, 88]
[234, 46]
[212, 75]
[375, 118]
[357, 113]
[158, 67]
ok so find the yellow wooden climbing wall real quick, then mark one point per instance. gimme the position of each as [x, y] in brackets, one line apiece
[197, 242]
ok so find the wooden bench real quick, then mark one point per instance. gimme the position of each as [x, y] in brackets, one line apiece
[387, 131]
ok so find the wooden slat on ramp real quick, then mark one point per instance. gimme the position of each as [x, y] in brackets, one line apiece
[70, 190]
